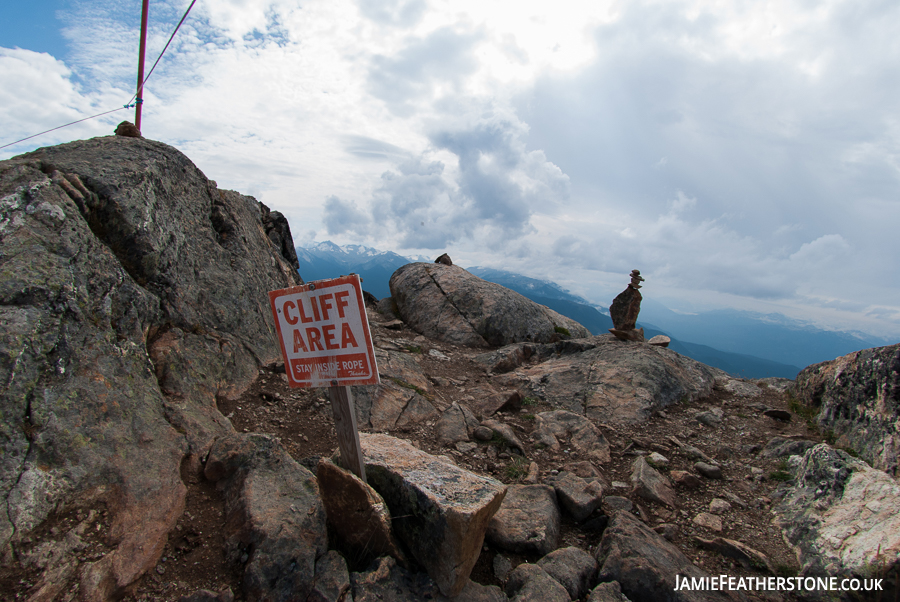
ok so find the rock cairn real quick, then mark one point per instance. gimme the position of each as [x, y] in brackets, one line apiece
[625, 309]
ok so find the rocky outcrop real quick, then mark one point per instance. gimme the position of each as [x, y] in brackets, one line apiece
[404, 396]
[858, 398]
[440, 511]
[449, 304]
[132, 297]
[273, 514]
[611, 381]
[841, 515]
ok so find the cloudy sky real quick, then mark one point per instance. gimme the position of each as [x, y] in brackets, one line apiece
[740, 154]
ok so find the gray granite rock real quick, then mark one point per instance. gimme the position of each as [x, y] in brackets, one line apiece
[648, 483]
[449, 304]
[528, 521]
[579, 498]
[610, 591]
[571, 567]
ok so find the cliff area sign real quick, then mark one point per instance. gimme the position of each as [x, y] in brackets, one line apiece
[324, 333]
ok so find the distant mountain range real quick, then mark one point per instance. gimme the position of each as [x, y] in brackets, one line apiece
[746, 344]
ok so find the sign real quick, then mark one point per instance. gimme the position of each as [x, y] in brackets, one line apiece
[324, 333]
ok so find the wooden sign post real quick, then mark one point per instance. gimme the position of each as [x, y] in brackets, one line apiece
[326, 342]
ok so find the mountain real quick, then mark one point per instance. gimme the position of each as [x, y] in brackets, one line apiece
[747, 344]
[590, 316]
[772, 336]
[328, 260]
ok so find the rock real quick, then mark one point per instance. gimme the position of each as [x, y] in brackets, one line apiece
[628, 335]
[488, 401]
[528, 521]
[332, 579]
[617, 502]
[648, 483]
[669, 531]
[779, 447]
[385, 580]
[625, 308]
[502, 567]
[530, 583]
[657, 460]
[645, 564]
[734, 499]
[840, 514]
[506, 433]
[577, 497]
[456, 424]
[742, 388]
[719, 506]
[747, 556]
[685, 479]
[778, 415]
[710, 471]
[858, 397]
[534, 473]
[773, 382]
[580, 432]
[610, 591]
[357, 514]
[571, 567]
[449, 304]
[708, 521]
[612, 383]
[711, 417]
[482, 433]
[128, 129]
[273, 514]
[660, 340]
[584, 469]
[444, 259]
[126, 310]
[440, 511]
[403, 398]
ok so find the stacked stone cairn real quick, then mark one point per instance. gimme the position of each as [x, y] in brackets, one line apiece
[625, 309]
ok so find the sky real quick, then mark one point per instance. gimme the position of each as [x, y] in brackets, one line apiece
[741, 154]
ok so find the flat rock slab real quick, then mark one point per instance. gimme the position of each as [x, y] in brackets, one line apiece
[610, 591]
[357, 514]
[571, 567]
[440, 511]
[273, 513]
[528, 521]
[449, 304]
[614, 381]
[840, 514]
[858, 396]
[576, 429]
[747, 556]
[645, 564]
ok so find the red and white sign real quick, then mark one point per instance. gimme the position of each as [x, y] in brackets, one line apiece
[324, 333]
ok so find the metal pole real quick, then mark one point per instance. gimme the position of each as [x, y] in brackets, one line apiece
[140, 80]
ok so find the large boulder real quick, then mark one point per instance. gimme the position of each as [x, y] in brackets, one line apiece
[612, 381]
[273, 514]
[841, 515]
[449, 304]
[132, 297]
[858, 398]
[439, 511]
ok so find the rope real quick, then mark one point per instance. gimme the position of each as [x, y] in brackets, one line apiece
[134, 99]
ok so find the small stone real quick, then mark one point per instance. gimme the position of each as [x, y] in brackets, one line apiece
[617, 502]
[667, 530]
[682, 478]
[719, 506]
[483, 433]
[657, 460]
[466, 446]
[709, 521]
[502, 567]
[710, 471]
[660, 340]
